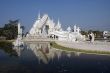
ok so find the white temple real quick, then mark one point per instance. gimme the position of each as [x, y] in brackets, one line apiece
[45, 27]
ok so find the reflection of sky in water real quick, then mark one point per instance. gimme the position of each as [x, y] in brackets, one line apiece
[42, 58]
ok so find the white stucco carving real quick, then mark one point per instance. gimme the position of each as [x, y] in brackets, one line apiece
[44, 26]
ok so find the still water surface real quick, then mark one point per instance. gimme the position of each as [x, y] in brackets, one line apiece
[42, 58]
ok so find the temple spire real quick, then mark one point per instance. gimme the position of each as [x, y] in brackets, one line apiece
[59, 25]
[39, 16]
[75, 28]
[19, 27]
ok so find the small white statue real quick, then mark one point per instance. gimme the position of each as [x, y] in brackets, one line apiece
[18, 41]
[69, 29]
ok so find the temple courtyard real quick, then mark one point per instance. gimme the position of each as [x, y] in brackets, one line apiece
[87, 45]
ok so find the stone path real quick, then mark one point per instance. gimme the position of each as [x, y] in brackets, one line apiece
[97, 45]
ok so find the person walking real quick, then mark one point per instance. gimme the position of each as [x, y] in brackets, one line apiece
[90, 37]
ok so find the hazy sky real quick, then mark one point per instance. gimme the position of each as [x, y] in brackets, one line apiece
[87, 14]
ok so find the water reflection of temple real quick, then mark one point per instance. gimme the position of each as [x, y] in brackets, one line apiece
[18, 50]
[43, 51]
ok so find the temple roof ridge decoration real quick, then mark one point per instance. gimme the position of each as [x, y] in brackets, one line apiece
[45, 26]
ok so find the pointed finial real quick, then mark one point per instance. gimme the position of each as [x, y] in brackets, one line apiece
[69, 29]
[75, 28]
[58, 22]
[39, 15]
[59, 25]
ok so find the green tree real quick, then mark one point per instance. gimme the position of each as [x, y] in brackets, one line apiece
[23, 28]
[1, 31]
[10, 29]
[98, 34]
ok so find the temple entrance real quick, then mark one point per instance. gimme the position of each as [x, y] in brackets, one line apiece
[47, 28]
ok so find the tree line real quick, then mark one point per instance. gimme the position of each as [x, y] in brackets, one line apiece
[97, 33]
[10, 30]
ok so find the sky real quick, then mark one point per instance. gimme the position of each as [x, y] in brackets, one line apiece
[87, 14]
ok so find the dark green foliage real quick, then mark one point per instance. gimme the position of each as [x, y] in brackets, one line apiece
[1, 29]
[98, 34]
[84, 33]
[23, 30]
[9, 30]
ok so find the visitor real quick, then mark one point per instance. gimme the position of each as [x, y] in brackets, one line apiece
[90, 37]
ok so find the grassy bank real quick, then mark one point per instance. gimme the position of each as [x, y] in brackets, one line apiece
[5, 44]
[55, 45]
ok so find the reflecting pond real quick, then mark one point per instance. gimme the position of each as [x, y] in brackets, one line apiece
[40, 57]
